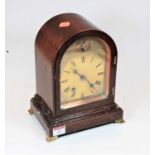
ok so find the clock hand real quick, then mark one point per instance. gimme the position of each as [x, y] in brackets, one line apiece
[76, 72]
[83, 77]
[91, 85]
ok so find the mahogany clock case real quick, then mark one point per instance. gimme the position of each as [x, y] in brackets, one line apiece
[50, 45]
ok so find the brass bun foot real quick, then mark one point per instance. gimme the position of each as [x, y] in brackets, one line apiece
[121, 120]
[50, 139]
[30, 111]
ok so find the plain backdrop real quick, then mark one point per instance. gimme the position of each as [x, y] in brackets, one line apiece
[127, 22]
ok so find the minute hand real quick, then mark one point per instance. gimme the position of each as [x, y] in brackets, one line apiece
[90, 84]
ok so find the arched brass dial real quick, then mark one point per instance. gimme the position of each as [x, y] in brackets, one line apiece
[83, 72]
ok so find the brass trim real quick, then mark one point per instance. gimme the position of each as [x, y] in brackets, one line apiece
[120, 121]
[50, 139]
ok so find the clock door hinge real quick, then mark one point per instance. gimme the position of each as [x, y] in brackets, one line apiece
[115, 60]
[113, 91]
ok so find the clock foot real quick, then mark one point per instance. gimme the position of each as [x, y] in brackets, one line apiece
[50, 138]
[30, 111]
[121, 120]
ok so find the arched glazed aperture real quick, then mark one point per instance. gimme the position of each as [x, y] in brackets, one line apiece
[85, 72]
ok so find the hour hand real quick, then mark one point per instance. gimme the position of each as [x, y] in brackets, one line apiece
[75, 71]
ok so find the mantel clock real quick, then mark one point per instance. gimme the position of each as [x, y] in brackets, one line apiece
[75, 76]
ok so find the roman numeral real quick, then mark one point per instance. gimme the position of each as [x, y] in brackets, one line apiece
[82, 59]
[100, 73]
[98, 82]
[64, 81]
[66, 71]
[98, 65]
[73, 91]
[82, 95]
[66, 89]
[92, 59]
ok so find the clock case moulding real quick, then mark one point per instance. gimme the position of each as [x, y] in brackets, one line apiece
[51, 42]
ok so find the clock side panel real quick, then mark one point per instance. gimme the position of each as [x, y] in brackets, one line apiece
[44, 80]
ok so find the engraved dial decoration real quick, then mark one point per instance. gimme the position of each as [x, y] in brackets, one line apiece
[84, 72]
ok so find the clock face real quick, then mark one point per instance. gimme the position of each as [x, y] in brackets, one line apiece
[84, 72]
